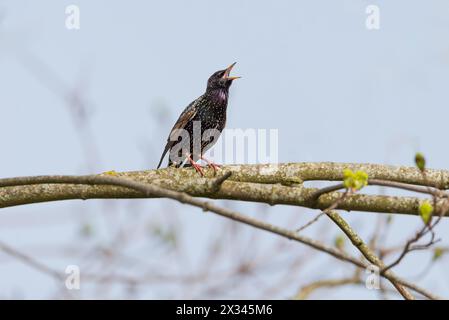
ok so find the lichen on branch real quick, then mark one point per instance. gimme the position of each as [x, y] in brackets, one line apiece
[265, 183]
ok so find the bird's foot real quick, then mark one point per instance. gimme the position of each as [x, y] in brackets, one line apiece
[211, 164]
[214, 166]
[198, 169]
[196, 166]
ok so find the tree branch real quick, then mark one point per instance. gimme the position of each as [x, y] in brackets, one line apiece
[142, 189]
[366, 251]
[271, 184]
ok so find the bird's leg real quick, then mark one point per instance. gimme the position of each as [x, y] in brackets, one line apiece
[211, 164]
[195, 165]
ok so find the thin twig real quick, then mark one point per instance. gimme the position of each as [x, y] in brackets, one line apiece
[305, 291]
[216, 184]
[409, 247]
[359, 244]
[384, 183]
[149, 189]
[30, 261]
[409, 187]
[325, 190]
[308, 224]
[366, 251]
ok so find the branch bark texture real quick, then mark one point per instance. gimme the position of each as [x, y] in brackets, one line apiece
[266, 183]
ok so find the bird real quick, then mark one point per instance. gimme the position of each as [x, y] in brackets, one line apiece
[200, 124]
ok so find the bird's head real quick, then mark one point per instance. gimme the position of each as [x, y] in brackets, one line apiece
[221, 79]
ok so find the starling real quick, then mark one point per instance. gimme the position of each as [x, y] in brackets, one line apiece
[200, 124]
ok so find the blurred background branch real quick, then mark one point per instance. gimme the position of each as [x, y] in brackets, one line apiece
[212, 186]
[74, 104]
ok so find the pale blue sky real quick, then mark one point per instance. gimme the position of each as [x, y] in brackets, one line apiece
[334, 90]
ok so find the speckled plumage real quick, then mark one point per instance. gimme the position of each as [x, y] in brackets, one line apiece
[209, 110]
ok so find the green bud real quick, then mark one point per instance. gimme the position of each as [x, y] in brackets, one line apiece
[437, 253]
[354, 181]
[389, 219]
[86, 230]
[420, 161]
[339, 242]
[361, 179]
[425, 211]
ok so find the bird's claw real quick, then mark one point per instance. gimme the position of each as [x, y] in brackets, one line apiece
[214, 166]
[198, 169]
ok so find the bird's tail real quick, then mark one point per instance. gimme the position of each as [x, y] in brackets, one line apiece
[167, 147]
[170, 162]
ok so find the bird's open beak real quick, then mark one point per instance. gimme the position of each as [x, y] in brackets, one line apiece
[228, 71]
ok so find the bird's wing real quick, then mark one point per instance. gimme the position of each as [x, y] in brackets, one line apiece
[187, 115]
